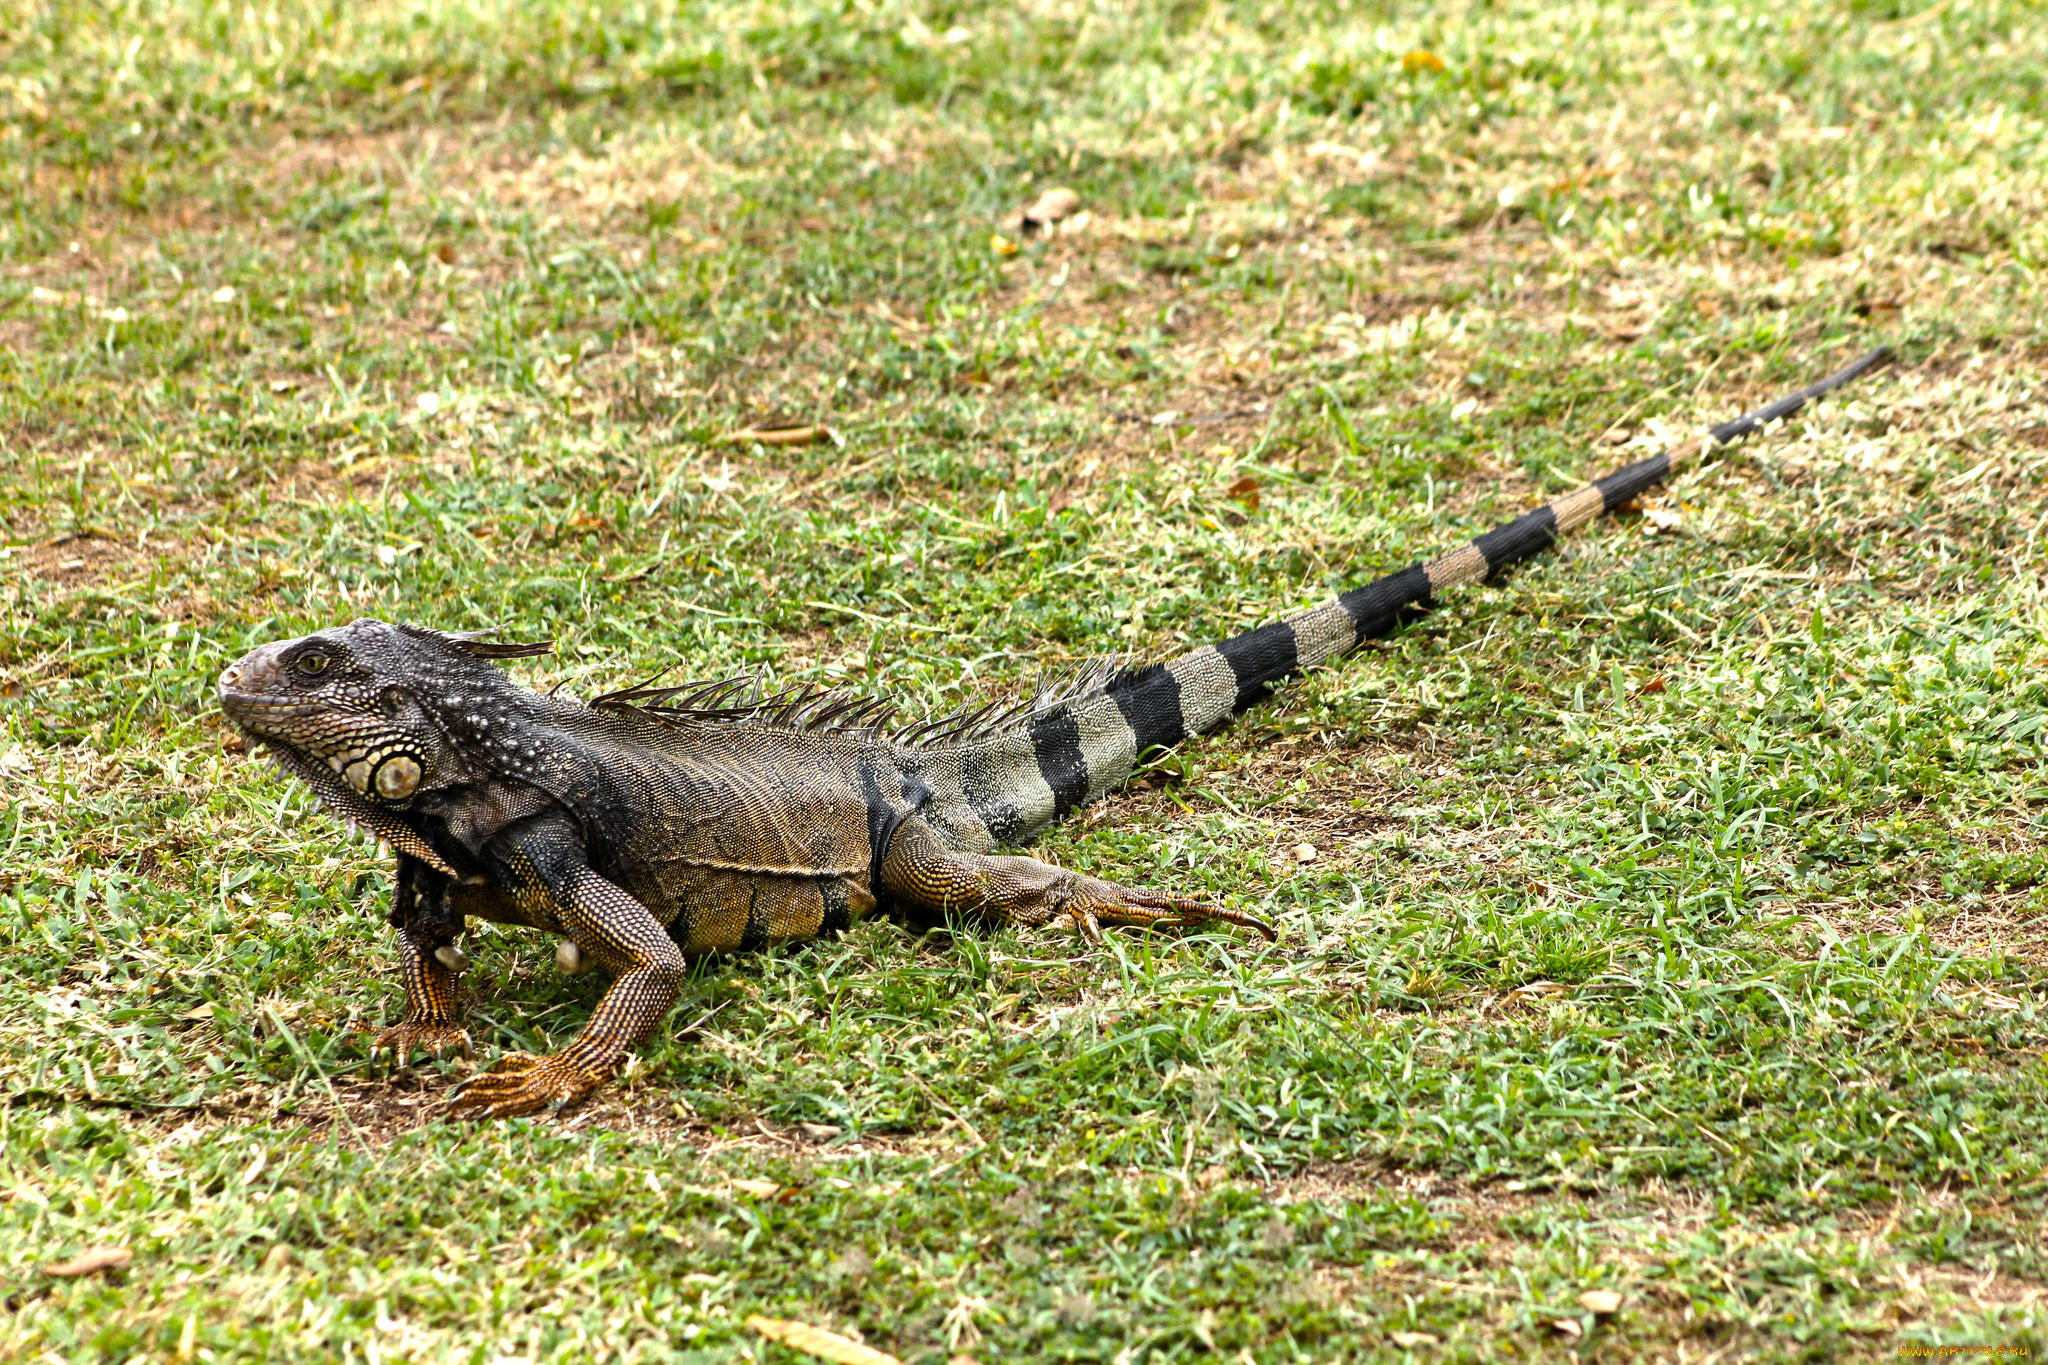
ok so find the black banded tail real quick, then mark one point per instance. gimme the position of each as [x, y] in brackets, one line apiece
[1062, 756]
[1166, 702]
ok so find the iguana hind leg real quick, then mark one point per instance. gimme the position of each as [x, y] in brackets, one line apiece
[547, 865]
[924, 872]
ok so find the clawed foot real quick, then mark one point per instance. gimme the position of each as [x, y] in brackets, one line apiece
[399, 1042]
[521, 1083]
[1107, 903]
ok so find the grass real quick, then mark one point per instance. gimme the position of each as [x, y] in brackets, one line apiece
[1674, 928]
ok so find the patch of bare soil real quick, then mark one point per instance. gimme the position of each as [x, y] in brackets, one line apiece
[1636, 1232]
[2003, 925]
[74, 560]
[374, 1113]
[1986, 924]
[73, 566]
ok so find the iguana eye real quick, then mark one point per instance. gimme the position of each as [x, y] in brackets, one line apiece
[313, 663]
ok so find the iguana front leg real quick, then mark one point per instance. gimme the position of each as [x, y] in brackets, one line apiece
[426, 937]
[923, 871]
[548, 874]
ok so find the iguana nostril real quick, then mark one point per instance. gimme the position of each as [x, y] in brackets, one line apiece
[231, 677]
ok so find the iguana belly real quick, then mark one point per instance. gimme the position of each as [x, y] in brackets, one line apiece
[709, 908]
[712, 909]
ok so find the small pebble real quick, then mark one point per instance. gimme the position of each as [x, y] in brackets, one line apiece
[1304, 853]
[452, 957]
[1059, 202]
[569, 958]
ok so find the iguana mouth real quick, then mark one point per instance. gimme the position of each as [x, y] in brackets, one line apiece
[245, 692]
[267, 716]
[243, 707]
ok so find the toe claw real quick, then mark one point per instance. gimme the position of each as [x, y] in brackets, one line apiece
[395, 1046]
[520, 1083]
[1115, 904]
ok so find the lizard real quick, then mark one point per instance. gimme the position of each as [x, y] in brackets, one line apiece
[660, 823]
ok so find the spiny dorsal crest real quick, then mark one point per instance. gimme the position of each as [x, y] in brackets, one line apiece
[741, 700]
[473, 643]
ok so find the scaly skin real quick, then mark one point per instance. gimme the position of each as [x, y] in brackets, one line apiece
[640, 838]
[922, 871]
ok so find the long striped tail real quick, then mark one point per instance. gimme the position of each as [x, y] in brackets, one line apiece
[1091, 741]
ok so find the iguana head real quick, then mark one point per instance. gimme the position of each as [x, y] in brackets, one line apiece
[372, 715]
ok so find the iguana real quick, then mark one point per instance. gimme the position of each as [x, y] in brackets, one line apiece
[659, 823]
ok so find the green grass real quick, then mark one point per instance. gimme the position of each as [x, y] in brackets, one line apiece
[1674, 924]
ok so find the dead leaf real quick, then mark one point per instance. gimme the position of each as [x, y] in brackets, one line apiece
[816, 1341]
[760, 1189]
[1995, 1000]
[1246, 491]
[1420, 60]
[1002, 245]
[777, 436]
[198, 1013]
[1532, 990]
[1304, 853]
[1411, 1340]
[916, 33]
[1663, 518]
[1601, 1301]
[883, 311]
[1652, 687]
[90, 1262]
[1051, 206]
[1365, 161]
[1568, 1327]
